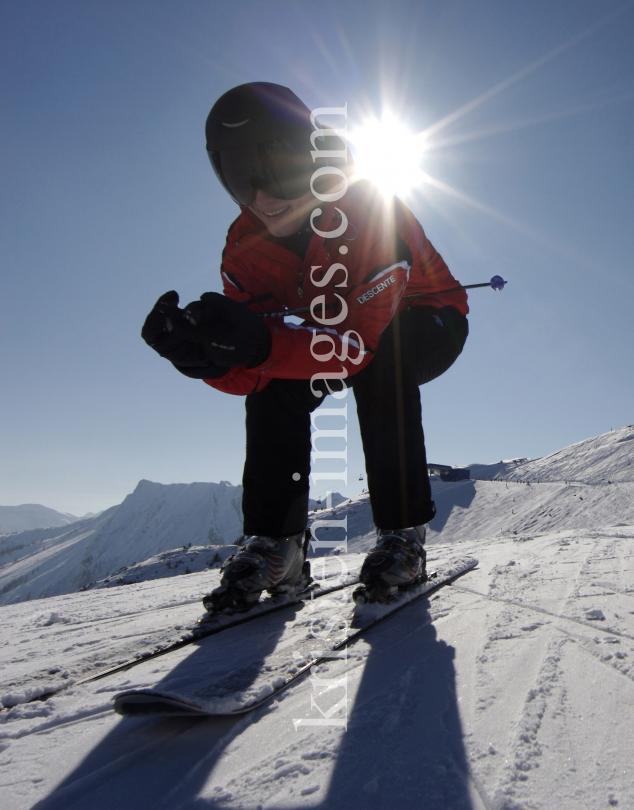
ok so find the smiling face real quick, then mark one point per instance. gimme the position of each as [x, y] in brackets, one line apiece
[282, 217]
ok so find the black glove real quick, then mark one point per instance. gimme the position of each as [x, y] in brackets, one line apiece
[230, 334]
[161, 333]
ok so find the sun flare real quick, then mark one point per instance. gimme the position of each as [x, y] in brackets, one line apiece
[389, 155]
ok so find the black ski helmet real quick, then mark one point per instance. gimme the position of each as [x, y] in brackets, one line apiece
[258, 136]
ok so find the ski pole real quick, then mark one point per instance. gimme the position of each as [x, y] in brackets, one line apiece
[497, 283]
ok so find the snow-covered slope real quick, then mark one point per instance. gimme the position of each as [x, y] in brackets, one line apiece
[487, 472]
[474, 510]
[608, 457]
[31, 516]
[153, 519]
[172, 563]
[511, 690]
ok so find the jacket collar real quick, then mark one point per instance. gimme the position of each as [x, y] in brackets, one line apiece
[251, 234]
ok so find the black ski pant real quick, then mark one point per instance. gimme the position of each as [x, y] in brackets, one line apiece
[418, 345]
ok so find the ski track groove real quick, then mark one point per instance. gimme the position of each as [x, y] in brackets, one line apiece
[518, 758]
[547, 686]
[129, 614]
[483, 803]
[591, 625]
[55, 723]
[525, 748]
[221, 744]
[522, 744]
[583, 645]
[73, 793]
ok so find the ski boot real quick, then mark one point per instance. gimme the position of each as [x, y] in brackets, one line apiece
[396, 563]
[274, 564]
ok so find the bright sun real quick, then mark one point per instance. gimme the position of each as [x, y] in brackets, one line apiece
[388, 154]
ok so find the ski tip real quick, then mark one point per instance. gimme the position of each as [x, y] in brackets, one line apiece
[151, 704]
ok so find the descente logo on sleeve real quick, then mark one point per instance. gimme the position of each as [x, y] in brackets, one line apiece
[376, 290]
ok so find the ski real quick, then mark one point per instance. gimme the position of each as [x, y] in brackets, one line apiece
[246, 689]
[208, 626]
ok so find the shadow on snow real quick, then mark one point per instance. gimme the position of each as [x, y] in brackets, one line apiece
[403, 746]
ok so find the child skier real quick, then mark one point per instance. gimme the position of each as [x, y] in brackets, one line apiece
[310, 238]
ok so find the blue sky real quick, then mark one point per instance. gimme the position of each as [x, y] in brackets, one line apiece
[108, 200]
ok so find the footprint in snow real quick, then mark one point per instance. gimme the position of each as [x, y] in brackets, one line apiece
[595, 615]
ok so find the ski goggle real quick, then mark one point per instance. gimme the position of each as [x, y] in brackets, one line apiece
[278, 168]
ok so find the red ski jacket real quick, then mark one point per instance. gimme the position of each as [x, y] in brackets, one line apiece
[382, 255]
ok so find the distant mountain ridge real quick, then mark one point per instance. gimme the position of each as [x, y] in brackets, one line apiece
[590, 483]
[152, 519]
[32, 516]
